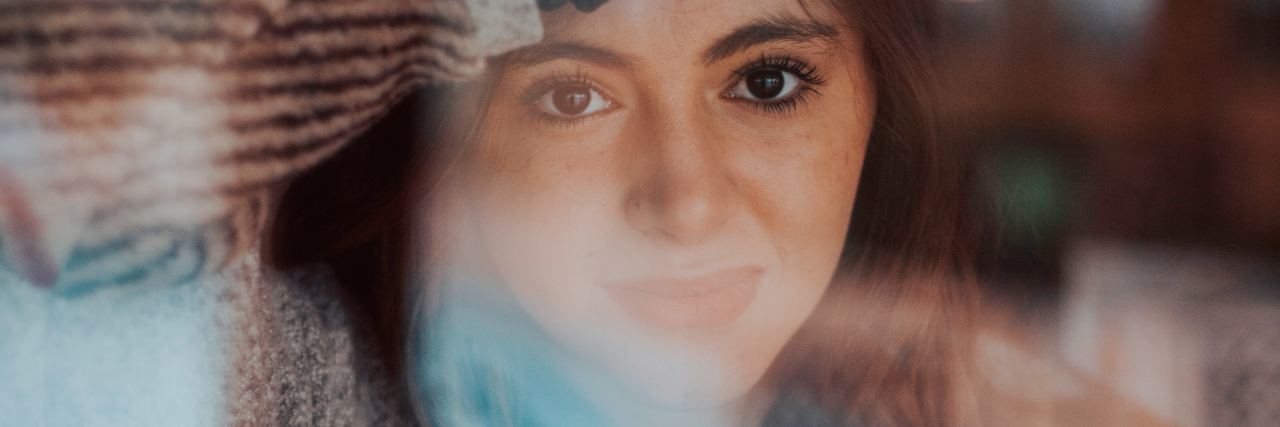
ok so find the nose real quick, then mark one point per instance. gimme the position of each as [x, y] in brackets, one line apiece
[682, 191]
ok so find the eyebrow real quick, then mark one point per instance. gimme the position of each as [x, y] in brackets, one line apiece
[767, 30]
[760, 31]
[549, 51]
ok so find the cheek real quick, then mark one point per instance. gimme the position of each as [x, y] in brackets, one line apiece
[822, 193]
[804, 195]
[807, 186]
[804, 202]
[541, 218]
[799, 188]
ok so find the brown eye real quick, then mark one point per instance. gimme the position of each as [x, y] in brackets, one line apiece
[765, 85]
[573, 100]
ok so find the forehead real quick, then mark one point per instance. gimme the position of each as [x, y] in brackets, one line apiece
[673, 27]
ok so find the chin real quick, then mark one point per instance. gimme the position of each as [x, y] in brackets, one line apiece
[688, 379]
[690, 395]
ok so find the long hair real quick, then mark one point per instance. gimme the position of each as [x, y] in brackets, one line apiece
[887, 344]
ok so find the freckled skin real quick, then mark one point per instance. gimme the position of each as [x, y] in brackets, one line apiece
[672, 178]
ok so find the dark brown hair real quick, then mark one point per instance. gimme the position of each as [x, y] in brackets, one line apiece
[889, 343]
[885, 347]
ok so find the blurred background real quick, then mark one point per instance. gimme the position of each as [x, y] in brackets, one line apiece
[1131, 161]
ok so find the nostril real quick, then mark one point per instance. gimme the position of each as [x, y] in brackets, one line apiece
[23, 245]
[684, 210]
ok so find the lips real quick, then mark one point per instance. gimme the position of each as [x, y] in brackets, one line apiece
[697, 302]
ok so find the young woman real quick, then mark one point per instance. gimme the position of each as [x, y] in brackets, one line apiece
[671, 213]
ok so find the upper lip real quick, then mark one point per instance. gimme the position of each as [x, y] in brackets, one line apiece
[684, 286]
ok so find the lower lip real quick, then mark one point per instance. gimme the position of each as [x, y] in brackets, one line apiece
[704, 302]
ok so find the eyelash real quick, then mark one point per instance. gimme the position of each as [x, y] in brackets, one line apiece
[540, 88]
[805, 72]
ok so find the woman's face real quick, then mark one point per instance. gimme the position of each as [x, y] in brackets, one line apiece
[665, 186]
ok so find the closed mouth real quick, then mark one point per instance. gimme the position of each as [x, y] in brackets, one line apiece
[696, 302]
